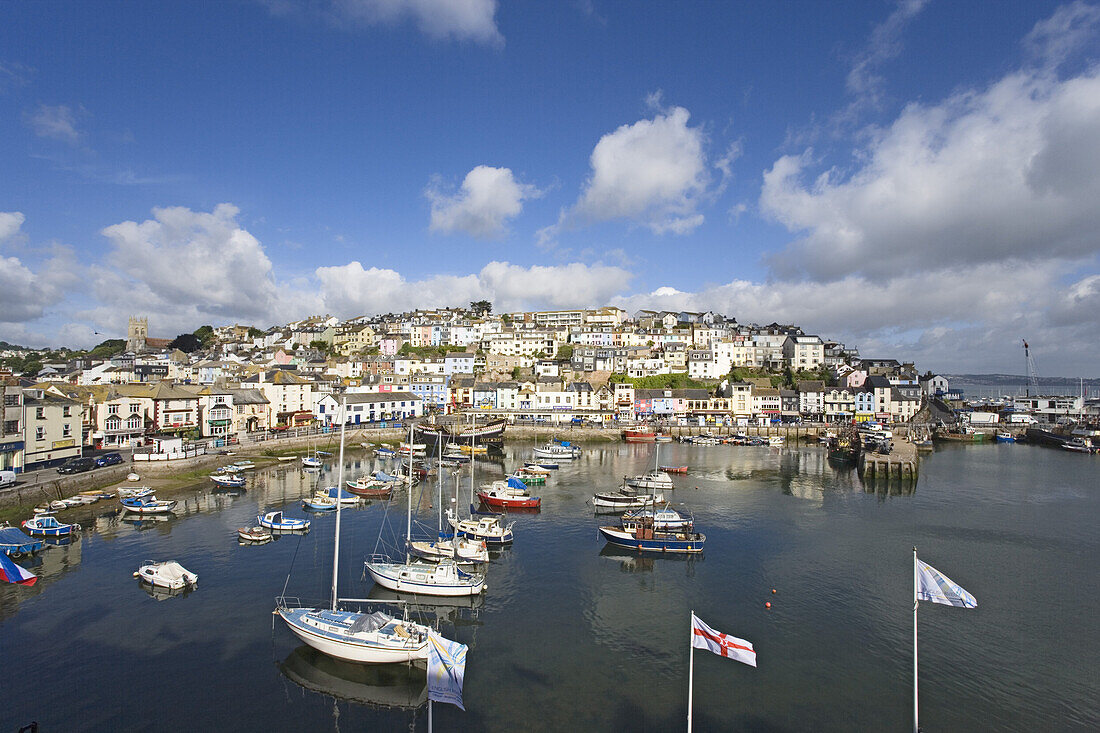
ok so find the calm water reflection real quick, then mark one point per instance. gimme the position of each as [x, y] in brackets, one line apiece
[573, 634]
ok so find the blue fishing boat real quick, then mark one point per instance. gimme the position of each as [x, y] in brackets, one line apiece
[640, 534]
[231, 480]
[385, 452]
[1003, 436]
[276, 520]
[147, 505]
[45, 525]
[13, 542]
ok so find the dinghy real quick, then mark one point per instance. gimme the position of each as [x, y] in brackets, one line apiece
[169, 575]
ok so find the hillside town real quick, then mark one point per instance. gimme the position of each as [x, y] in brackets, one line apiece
[599, 366]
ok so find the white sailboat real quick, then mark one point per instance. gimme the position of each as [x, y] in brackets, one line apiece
[655, 480]
[352, 635]
[444, 578]
[462, 550]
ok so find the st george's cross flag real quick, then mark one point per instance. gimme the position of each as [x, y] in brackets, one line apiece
[724, 645]
[934, 586]
[12, 573]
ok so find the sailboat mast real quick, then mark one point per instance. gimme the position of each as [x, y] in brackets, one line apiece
[339, 484]
[409, 520]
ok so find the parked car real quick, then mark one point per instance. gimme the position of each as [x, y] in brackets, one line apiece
[76, 465]
[108, 459]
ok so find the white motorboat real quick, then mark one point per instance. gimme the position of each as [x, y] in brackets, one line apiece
[665, 519]
[169, 575]
[625, 498]
[354, 636]
[650, 481]
[562, 451]
[489, 529]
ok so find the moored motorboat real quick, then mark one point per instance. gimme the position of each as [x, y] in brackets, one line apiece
[491, 530]
[664, 518]
[253, 534]
[341, 495]
[561, 451]
[168, 574]
[625, 498]
[147, 505]
[547, 465]
[462, 550]
[277, 521]
[46, 525]
[674, 469]
[512, 493]
[228, 479]
[369, 488]
[1003, 436]
[639, 435]
[640, 534]
[319, 502]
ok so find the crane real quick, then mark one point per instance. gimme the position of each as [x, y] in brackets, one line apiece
[1032, 377]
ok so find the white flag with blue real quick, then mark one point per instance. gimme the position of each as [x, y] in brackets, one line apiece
[934, 586]
[446, 668]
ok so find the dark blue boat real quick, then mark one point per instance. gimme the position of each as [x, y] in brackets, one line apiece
[13, 542]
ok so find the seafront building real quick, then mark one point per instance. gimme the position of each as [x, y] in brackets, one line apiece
[553, 367]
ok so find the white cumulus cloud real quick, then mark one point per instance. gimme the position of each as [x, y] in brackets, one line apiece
[488, 198]
[653, 171]
[10, 224]
[185, 266]
[464, 20]
[1005, 172]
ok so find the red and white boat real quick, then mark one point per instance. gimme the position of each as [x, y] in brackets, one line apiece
[639, 435]
[369, 488]
[510, 494]
[674, 469]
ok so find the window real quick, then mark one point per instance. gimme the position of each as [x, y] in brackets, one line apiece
[134, 423]
[240, 409]
[40, 413]
[39, 433]
[112, 409]
[135, 407]
[11, 426]
[66, 411]
[67, 431]
[11, 400]
[113, 423]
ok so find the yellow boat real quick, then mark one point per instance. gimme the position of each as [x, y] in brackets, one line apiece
[473, 449]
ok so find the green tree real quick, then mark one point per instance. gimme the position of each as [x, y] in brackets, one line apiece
[323, 346]
[515, 372]
[565, 351]
[186, 342]
[406, 349]
[254, 332]
[481, 307]
[205, 334]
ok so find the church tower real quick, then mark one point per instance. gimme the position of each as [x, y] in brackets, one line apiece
[136, 334]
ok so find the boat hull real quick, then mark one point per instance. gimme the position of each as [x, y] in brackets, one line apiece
[398, 577]
[659, 542]
[498, 502]
[350, 649]
[639, 436]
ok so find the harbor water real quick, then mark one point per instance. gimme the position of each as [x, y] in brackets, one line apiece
[573, 634]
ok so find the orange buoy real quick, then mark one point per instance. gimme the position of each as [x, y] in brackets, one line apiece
[768, 604]
[773, 590]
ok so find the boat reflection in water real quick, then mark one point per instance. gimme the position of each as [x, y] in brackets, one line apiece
[458, 610]
[377, 685]
[159, 593]
[632, 561]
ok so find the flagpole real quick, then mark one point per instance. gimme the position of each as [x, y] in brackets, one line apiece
[429, 715]
[691, 665]
[916, 709]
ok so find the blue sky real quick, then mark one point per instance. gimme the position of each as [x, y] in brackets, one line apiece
[916, 178]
